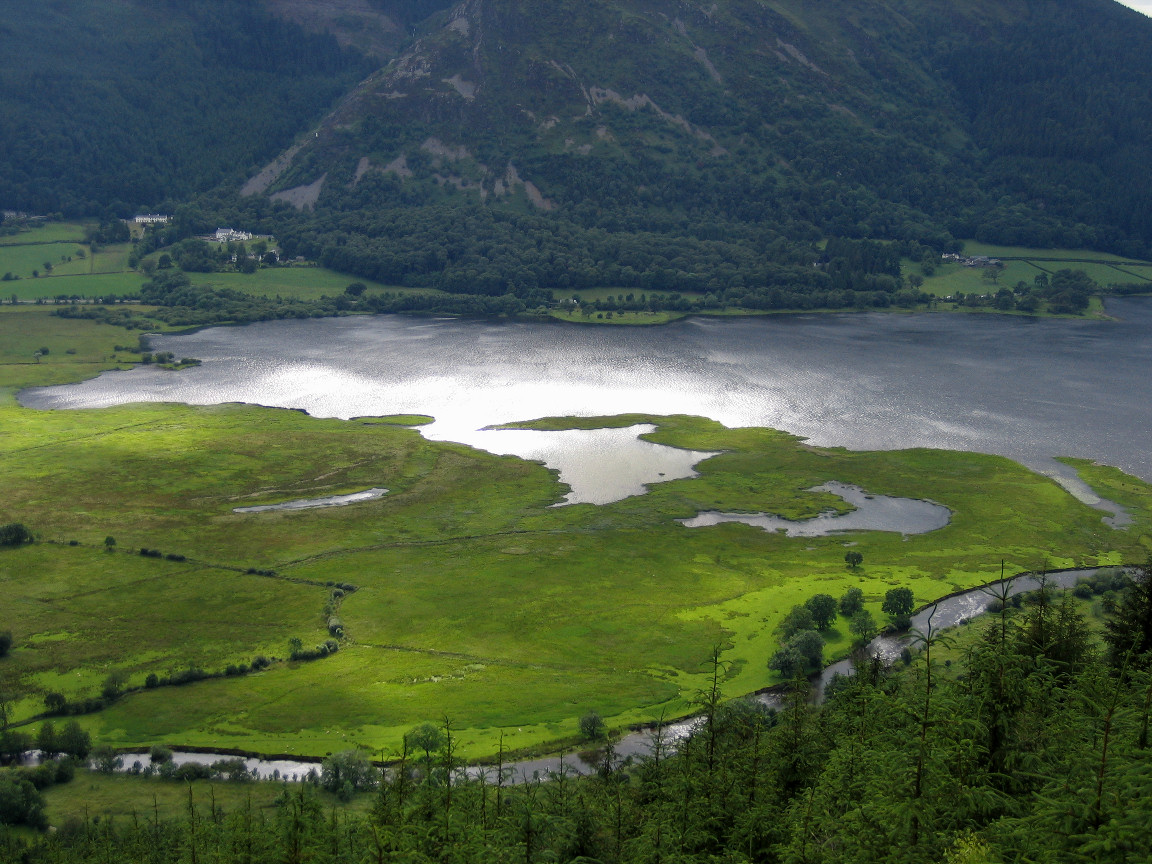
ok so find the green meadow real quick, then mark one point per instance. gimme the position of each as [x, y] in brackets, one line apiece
[475, 599]
[1022, 264]
[298, 283]
[47, 232]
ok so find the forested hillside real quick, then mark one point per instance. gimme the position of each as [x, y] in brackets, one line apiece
[118, 106]
[578, 142]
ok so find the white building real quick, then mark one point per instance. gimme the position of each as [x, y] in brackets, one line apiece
[152, 219]
[227, 235]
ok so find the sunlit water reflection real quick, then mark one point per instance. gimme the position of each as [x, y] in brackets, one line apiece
[1023, 388]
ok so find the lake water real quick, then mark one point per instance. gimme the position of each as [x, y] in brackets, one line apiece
[871, 513]
[314, 503]
[1025, 388]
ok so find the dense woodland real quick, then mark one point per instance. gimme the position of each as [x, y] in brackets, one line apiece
[1032, 747]
[112, 107]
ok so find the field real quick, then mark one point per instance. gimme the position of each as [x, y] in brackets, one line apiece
[47, 232]
[301, 283]
[476, 599]
[1024, 265]
[75, 270]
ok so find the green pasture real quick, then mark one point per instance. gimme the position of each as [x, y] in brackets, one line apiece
[477, 599]
[47, 232]
[1026, 264]
[22, 260]
[300, 283]
[83, 286]
[617, 318]
[972, 248]
[77, 349]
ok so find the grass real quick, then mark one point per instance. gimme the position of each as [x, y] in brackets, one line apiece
[77, 349]
[124, 797]
[85, 287]
[951, 278]
[47, 232]
[21, 261]
[476, 598]
[972, 248]
[300, 283]
[617, 318]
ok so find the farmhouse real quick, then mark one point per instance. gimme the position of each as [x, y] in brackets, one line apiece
[227, 235]
[151, 219]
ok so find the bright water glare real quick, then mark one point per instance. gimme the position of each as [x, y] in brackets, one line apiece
[1023, 388]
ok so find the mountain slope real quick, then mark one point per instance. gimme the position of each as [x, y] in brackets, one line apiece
[864, 118]
[135, 103]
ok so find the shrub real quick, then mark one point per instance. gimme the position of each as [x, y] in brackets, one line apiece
[14, 534]
[105, 760]
[5, 643]
[190, 771]
[235, 770]
[592, 727]
[799, 618]
[160, 754]
[347, 768]
[823, 609]
[20, 802]
[898, 603]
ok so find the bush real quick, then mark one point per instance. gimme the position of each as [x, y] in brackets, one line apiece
[190, 771]
[235, 770]
[20, 802]
[5, 643]
[74, 741]
[823, 609]
[347, 768]
[898, 604]
[799, 618]
[160, 754]
[592, 727]
[14, 534]
[105, 760]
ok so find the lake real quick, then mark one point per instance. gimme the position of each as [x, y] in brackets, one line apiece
[1029, 389]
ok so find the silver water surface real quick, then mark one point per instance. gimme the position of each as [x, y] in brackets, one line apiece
[1029, 389]
[313, 503]
[872, 513]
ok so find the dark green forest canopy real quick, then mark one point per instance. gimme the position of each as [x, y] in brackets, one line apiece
[118, 106]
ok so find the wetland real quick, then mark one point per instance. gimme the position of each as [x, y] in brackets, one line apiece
[476, 597]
